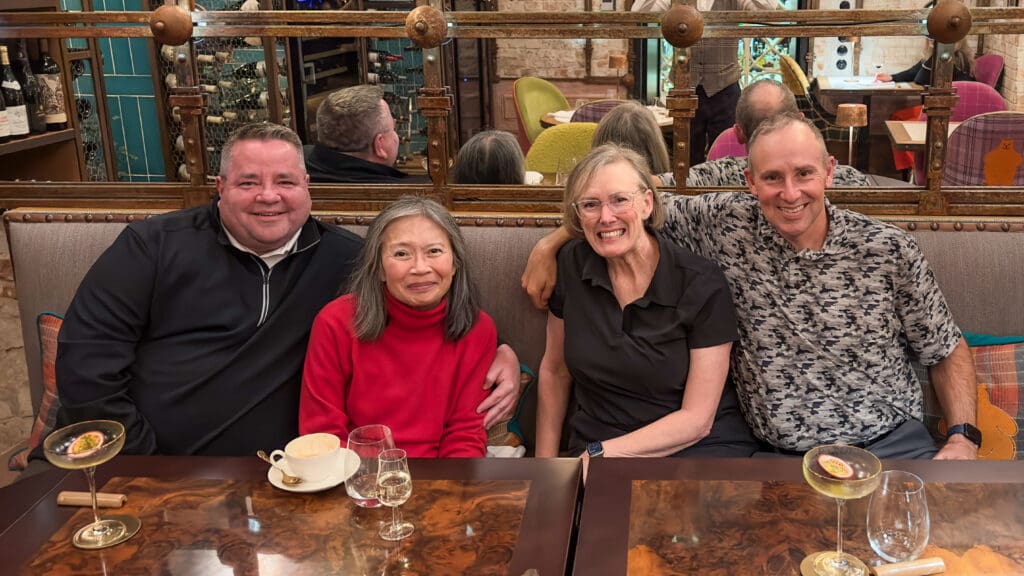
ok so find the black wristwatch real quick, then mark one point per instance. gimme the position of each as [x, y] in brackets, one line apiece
[595, 450]
[969, 432]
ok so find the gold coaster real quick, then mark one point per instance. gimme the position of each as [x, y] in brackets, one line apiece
[807, 566]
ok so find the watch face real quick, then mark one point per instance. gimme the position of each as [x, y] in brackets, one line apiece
[595, 449]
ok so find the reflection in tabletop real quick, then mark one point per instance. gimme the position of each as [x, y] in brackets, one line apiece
[472, 517]
[679, 520]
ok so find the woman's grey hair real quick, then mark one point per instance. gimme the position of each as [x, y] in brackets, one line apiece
[585, 172]
[490, 157]
[371, 309]
[349, 119]
[632, 125]
[259, 131]
[780, 121]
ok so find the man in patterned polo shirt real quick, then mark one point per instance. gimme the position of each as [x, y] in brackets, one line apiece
[831, 305]
[758, 102]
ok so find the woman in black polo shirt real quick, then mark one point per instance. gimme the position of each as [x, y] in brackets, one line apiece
[639, 327]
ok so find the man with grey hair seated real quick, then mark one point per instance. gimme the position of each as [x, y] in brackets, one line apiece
[356, 139]
[758, 102]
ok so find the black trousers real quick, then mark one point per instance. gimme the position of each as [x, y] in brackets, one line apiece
[715, 114]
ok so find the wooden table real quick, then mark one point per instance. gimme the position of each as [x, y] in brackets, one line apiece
[551, 119]
[866, 86]
[881, 98]
[759, 516]
[911, 134]
[210, 516]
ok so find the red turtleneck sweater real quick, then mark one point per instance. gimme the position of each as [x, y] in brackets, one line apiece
[423, 387]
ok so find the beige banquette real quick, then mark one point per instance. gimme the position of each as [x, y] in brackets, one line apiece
[979, 263]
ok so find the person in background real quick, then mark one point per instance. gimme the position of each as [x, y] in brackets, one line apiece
[633, 126]
[758, 102]
[409, 346]
[921, 73]
[356, 139]
[489, 157]
[714, 73]
[832, 306]
[639, 328]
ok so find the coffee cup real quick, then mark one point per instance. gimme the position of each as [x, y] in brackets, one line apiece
[312, 457]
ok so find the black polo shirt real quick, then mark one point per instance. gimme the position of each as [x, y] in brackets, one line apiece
[629, 366]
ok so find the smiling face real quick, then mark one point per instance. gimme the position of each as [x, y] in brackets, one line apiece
[788, 173]
[417, 260]
[264, 195]
[615, 186]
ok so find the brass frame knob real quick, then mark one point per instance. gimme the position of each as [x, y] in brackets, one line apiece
[171, 25]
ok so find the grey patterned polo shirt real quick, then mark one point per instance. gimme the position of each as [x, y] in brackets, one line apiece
[826, 337]
[728, 171]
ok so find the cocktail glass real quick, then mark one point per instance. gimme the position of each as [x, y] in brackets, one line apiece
[83, 446]
[844, 473]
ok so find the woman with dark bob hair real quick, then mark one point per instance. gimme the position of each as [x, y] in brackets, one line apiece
[409, 346]
[490, 157]
[639, 328]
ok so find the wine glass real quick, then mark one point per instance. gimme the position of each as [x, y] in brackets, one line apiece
[898, 520]
[563, 168]
[394, 486]
[844, 473]
[367, 442]
[83, 446]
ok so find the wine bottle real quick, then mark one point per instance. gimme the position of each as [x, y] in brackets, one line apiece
[384, 77]
[17, 113]
[5, 126]
[52, 86]
[30, 88]
[256, 70]
[382, 56]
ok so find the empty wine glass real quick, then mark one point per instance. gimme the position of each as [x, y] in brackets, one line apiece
[83, 446]
[394, 486]
[898, 520]
[563, 169]
[367, 442]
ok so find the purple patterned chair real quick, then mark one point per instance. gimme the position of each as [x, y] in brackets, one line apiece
[986, 150]
[975, 98]
[727, 144]
[594, 111]
[988, 68]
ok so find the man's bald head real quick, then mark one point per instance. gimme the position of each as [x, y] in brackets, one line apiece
[760, 101]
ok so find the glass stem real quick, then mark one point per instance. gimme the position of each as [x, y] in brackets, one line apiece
[839, 527]
[90, 475]
[394, 518]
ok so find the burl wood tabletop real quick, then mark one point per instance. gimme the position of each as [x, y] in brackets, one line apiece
[753, 527]
[244, 527]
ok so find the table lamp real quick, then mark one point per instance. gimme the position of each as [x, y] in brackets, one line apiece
[851, 116]
[618, 62]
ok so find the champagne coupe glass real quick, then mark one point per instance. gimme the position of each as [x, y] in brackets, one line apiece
[367, 442]
[898, 521]
[844, 473]
[83, 446]
[394, 486]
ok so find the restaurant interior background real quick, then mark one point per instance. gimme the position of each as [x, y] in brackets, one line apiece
[123, 129]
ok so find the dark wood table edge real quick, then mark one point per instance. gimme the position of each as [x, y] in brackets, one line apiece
[603, 537]
[31, 523]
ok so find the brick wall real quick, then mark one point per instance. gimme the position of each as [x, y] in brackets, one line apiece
[15, 402]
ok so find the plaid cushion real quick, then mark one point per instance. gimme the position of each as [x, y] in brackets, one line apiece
[1000, 373]
[986, 150]
[48, 325]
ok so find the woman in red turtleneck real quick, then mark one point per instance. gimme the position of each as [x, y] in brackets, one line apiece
[409, 347]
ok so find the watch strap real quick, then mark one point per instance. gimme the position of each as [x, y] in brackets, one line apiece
[968, 431]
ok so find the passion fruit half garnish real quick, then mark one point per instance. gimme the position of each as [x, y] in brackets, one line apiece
[86, 444]
[835, 467]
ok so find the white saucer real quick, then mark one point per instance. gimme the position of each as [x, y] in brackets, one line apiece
[348, 463]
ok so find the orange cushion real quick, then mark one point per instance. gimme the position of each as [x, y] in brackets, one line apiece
[49, 326]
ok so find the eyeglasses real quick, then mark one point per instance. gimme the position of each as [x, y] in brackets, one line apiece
[619, 203]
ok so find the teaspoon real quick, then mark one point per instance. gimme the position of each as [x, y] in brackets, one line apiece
[286, 478]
